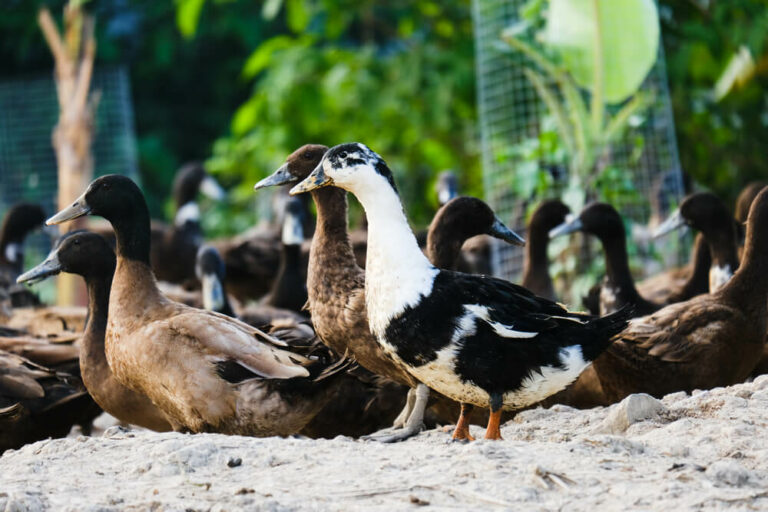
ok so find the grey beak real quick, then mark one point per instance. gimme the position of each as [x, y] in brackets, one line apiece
[77, 209]
[502, 232]
[673, 222]
[280, 177]
[211, 189]
[50, 267]
[315, 180]
[571, 225]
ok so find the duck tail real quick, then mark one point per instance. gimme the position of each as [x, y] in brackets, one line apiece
[604, 330]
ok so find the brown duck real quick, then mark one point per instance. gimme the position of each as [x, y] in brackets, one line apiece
[711, 340]
[207, 372]
[547, 216]
[90, 256]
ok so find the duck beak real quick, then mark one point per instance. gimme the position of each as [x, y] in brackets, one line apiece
[571, 225]
[211, 189]
[213, 292]
[280, 177]
[502, 232]
[50, 267]
[672, 223]
[315, 180]
[78, 209]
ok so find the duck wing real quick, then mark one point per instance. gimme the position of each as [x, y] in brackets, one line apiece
[680, 333]
[224, 339]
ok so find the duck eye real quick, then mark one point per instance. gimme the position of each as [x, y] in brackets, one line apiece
[77, 242]
[343, 154]
[307, 155]
[105, 186]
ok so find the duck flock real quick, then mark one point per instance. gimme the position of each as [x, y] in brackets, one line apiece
[314, 330]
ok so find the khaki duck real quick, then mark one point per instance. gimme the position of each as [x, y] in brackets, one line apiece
[476, 339]
[336, 288]
[90, 256]
[207, 372]
[708, 341]
[547, 216]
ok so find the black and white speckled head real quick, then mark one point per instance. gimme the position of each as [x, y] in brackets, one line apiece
[347, 166]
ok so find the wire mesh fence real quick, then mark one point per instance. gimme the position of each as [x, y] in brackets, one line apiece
[512, 115]
[29, 111]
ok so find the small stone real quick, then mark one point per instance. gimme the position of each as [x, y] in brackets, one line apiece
[729, 473]
[234, 462]
[418, 501]
[631, 410]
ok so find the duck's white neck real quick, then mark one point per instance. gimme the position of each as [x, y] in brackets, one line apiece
[397, 273]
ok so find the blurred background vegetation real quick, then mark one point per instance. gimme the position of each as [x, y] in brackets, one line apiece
[241, 84]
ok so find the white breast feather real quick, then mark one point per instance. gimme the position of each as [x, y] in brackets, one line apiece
[718, 276]
[190, 212]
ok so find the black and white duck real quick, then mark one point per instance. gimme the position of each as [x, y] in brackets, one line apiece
[705, 212]
[476, 339]
[90, 256]
[547, 216]
[336, 282]
[207, 372]
[711, 340]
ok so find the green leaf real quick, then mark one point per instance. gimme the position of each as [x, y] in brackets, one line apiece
[298, 15]
[188, 16]
[618, 123]
[628, 32]
[262, 56]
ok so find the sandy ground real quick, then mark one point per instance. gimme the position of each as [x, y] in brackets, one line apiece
[706, 451]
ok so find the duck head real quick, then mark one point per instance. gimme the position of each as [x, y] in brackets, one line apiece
[351, 166]
[598, 219]
[297, 166]
[548, 215]
[20, 220]
[191, 179]
[77, 252]
[465, 217]
[108, 196]
[702, 211]
[210, 270]
[447, 187]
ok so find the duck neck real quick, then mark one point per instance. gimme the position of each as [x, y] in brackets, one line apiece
[92, 346]
[536, 264]
[331, 249]
[701, 261]
[749, 286]
[617, 268]
[725, 259]
[132, 231]
[397, 273]
[443, 247]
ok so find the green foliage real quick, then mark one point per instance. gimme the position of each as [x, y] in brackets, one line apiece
[721, 143]
[398, 78]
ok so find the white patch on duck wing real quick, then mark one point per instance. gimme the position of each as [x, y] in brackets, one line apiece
[13, 252]
[505, 331]
[549, 379]
[189, 212]
[718, 276]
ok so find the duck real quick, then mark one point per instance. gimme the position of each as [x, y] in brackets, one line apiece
[19, 221]
[211, 272]
[206, 371]
[90, 256]
[617, 289]
[548, 215]
[711, 340]
[705, 212]
[336, 285]
[37, 402]
[289, 290]
[478, 340]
